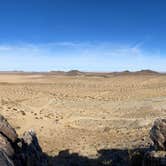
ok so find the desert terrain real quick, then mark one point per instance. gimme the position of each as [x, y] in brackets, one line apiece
[84, 112]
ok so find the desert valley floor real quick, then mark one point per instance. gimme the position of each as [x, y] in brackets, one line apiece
[83, 113]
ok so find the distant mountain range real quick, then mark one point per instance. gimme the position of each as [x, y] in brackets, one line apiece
[104, 74]
[81, 73]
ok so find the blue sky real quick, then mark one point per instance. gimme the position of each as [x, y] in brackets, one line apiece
[89, 35]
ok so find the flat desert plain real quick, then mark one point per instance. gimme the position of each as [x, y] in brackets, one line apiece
[83, 113]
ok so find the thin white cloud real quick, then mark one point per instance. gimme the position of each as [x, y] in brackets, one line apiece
[74, 55]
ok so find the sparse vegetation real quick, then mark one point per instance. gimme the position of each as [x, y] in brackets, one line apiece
[85, 114]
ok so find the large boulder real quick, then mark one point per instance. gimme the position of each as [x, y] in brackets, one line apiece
[158, 134]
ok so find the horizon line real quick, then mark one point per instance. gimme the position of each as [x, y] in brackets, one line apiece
[83, 71]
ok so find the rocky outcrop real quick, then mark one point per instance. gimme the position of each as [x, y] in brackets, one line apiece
[6, 146]
[8, 137]
[157, 157]
[29, 153]
[7, 130]
[19, 152]
[158, 134]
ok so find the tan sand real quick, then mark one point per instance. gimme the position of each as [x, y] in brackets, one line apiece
[83, 113]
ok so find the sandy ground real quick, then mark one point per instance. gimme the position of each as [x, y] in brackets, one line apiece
[82, 113]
